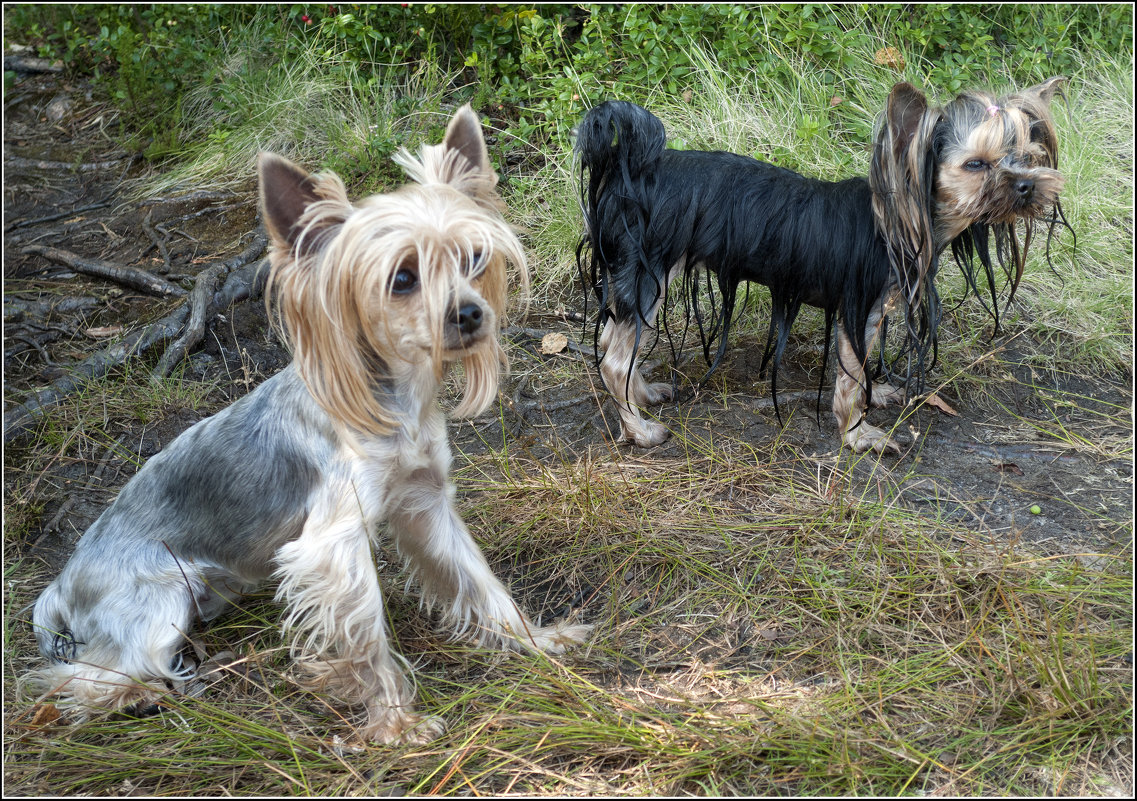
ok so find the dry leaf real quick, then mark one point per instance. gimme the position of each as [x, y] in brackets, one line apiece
[104, 332]
[44, 715]
[890, 57]
[553, 343]
[937, 402]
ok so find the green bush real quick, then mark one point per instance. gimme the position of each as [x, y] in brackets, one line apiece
[536, 67]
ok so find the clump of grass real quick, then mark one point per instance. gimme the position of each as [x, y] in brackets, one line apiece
[317, 108]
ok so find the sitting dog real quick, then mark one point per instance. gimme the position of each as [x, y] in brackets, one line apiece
[378, 299]
[858, 248]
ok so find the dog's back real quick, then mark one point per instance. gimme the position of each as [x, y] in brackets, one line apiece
[649, 209]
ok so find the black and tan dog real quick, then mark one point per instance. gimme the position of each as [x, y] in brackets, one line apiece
[860, 249]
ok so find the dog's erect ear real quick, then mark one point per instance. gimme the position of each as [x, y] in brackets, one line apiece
[287, 191]
[904, 114]
[461, 160]
[1046, 90]
[464, 134]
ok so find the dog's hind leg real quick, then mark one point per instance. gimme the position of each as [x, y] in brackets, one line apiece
[113, 632]
[849, 393]
[455, 575]
[335, 606]
[620, 368]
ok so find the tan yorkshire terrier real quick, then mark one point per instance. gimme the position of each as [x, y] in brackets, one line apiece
[953, 176]
[378, 300]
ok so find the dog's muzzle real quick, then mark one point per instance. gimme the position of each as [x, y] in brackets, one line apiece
[466, 327]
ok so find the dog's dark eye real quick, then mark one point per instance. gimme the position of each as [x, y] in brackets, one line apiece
[404, 281]
[975, 165]
[475, 265]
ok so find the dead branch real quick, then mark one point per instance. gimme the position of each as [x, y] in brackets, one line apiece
[538, 334]
[199, 303]
[17, 310]
[20, 163]
[158, 242]
[57, 216]
[127, 276]
[202, 194]
[28, 64]
[205, 304]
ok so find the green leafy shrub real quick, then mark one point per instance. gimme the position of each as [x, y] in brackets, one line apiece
[535, 68]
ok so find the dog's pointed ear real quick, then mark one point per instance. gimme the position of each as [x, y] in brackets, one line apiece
[287, 191]
[464, 134]
[904, 114]
[461, 160]
[1046, 90]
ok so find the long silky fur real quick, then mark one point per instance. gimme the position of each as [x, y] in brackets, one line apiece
[840, 246]
[327, 303]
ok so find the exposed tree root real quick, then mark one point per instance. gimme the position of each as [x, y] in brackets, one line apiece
[185, 325]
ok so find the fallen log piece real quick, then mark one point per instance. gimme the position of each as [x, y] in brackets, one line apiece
[127, 276]
[29, 64]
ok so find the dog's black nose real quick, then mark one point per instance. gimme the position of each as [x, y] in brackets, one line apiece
[1025, 188]
[469, 318]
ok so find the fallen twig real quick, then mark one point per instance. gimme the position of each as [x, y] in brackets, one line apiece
[203, 194]
[29, 64]
[20, 163]
[537, 333]
[57, 216]
[128, 276]
[17, 310]
[158, 243]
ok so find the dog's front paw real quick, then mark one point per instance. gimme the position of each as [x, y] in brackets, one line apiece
[865, 438]
[400, 727]
[557, 638]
